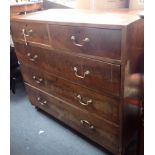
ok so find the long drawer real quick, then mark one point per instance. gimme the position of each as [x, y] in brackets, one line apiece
[90, 41]
[84, 122]
[30, 32]
[101, 105]
[96, 75]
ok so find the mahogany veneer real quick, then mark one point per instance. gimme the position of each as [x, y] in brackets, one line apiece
[85, 69]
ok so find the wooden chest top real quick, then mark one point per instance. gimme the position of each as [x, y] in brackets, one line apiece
[117, 18]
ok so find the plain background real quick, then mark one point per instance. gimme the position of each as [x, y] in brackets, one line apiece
[149, 72]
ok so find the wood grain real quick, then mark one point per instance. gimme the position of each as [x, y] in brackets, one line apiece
[105, 107]
[104, 133]
[103, 77]
[99, 43]
[107, 69]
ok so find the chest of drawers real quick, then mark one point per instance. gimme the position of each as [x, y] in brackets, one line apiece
[84, 68]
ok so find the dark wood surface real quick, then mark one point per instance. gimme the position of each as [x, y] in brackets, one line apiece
[107, 69]
[134, 78]
[98, 44]
[140, 147]
[102, 76]
[103, 132]
[141, 137]
[37, 35]
[101, 105]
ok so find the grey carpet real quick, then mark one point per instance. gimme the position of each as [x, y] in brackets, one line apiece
[36, 133]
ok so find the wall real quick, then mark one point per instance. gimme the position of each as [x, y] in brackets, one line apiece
[135, 4]
[87, 4]
[101, 4]
[49, 5]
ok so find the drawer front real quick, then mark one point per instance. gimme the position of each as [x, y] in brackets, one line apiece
[31, 55]
[87, 124]
[100, 105]
[96, 75]
[90, 41]
[29, 32]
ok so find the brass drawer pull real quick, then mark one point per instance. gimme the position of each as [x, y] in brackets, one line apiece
[26, 34]
[33, 59]
[79, 76]
[85, 40]
[43, 103]
[85, 122]
[37, 80]
[82, 103]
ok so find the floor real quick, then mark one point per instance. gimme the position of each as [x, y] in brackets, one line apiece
[34, 132]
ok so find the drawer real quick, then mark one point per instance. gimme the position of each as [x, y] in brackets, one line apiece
[32, 55]
[90, 41]
[87, 100]
[30, 32]
[84, 122]
[96, 75]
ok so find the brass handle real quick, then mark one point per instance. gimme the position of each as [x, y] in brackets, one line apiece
[33, 59]
[26, 34]
[37, 80]
[87, 123]
[85, 40]
[82, 103]
[79, 76]
[42, 103]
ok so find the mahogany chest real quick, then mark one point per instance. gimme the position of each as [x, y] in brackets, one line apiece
[84, 68]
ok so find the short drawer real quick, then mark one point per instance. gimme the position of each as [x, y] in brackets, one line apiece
[84, 122]
[87, 100]
[90, 41]
[30, 32]
[96, 75]
[32, 55]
